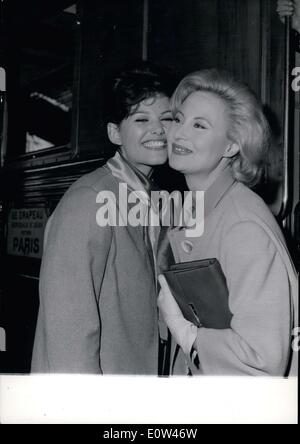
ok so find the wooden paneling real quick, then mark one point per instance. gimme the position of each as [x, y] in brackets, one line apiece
[111, 36]
[183, 34]
[239, 39]
[193, 35]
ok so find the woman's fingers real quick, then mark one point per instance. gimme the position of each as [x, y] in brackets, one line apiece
[285, 8]
[163, 283]
[285, 12]
[166, 301]
[288, 8]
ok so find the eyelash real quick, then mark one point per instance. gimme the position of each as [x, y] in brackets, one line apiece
[166, 119]
[196, 125]
[199, 125]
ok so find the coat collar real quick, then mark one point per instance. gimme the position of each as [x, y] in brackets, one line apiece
[178, 238]
[215, 193]
[212, 196]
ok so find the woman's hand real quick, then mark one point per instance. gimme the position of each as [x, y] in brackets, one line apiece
[184, 332]
[287, 8]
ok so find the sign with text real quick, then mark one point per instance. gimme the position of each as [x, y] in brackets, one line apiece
[26, 232]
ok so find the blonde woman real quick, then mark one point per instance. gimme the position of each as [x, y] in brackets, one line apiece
[219, 140]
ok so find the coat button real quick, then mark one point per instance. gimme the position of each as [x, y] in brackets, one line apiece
[187, 246]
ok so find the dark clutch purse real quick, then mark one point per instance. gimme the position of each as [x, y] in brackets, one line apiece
[200, 290]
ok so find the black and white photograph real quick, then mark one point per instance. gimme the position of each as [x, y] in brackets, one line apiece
[149, 213]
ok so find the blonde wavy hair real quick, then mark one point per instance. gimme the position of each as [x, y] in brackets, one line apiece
[248, 126]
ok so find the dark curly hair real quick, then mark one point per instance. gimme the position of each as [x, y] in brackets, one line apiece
[126, 89]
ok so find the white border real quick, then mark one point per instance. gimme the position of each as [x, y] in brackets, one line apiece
[144, 400]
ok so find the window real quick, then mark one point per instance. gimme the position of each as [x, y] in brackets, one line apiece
[41, 56]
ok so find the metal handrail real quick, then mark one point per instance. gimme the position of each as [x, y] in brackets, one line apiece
[288, 126]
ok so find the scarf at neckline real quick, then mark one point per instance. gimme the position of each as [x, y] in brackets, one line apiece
[126, 172]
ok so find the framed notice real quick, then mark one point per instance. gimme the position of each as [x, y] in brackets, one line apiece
[25, 232]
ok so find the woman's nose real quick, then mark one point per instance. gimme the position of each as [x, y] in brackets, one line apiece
[157, 128]
[179, 132]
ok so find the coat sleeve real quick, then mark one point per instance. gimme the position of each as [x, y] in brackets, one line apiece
[258, 341]
[68, 332]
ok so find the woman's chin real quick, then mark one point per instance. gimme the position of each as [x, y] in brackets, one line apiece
[158, 162]
[157, 159]
[176, 164]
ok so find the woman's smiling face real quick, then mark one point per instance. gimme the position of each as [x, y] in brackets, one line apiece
[197, 138]
[142, 135]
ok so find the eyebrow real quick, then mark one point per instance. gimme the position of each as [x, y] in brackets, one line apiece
[196, 117]
[147, 112]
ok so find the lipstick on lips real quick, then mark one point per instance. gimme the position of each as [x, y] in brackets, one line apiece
[180, 150]
[155, 145]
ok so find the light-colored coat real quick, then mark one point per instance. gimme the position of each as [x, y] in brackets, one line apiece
[241, 232]
[98, 309]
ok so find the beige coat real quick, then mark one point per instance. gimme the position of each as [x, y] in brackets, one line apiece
[98, 310]
[240, 231]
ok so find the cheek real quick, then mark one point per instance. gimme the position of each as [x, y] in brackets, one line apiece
[167, 128]
[130, 139]
[169, 133]
[209, 145]
[171, 130]
[220, 145]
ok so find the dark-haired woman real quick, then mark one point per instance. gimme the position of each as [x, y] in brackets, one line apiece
[98, 297]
